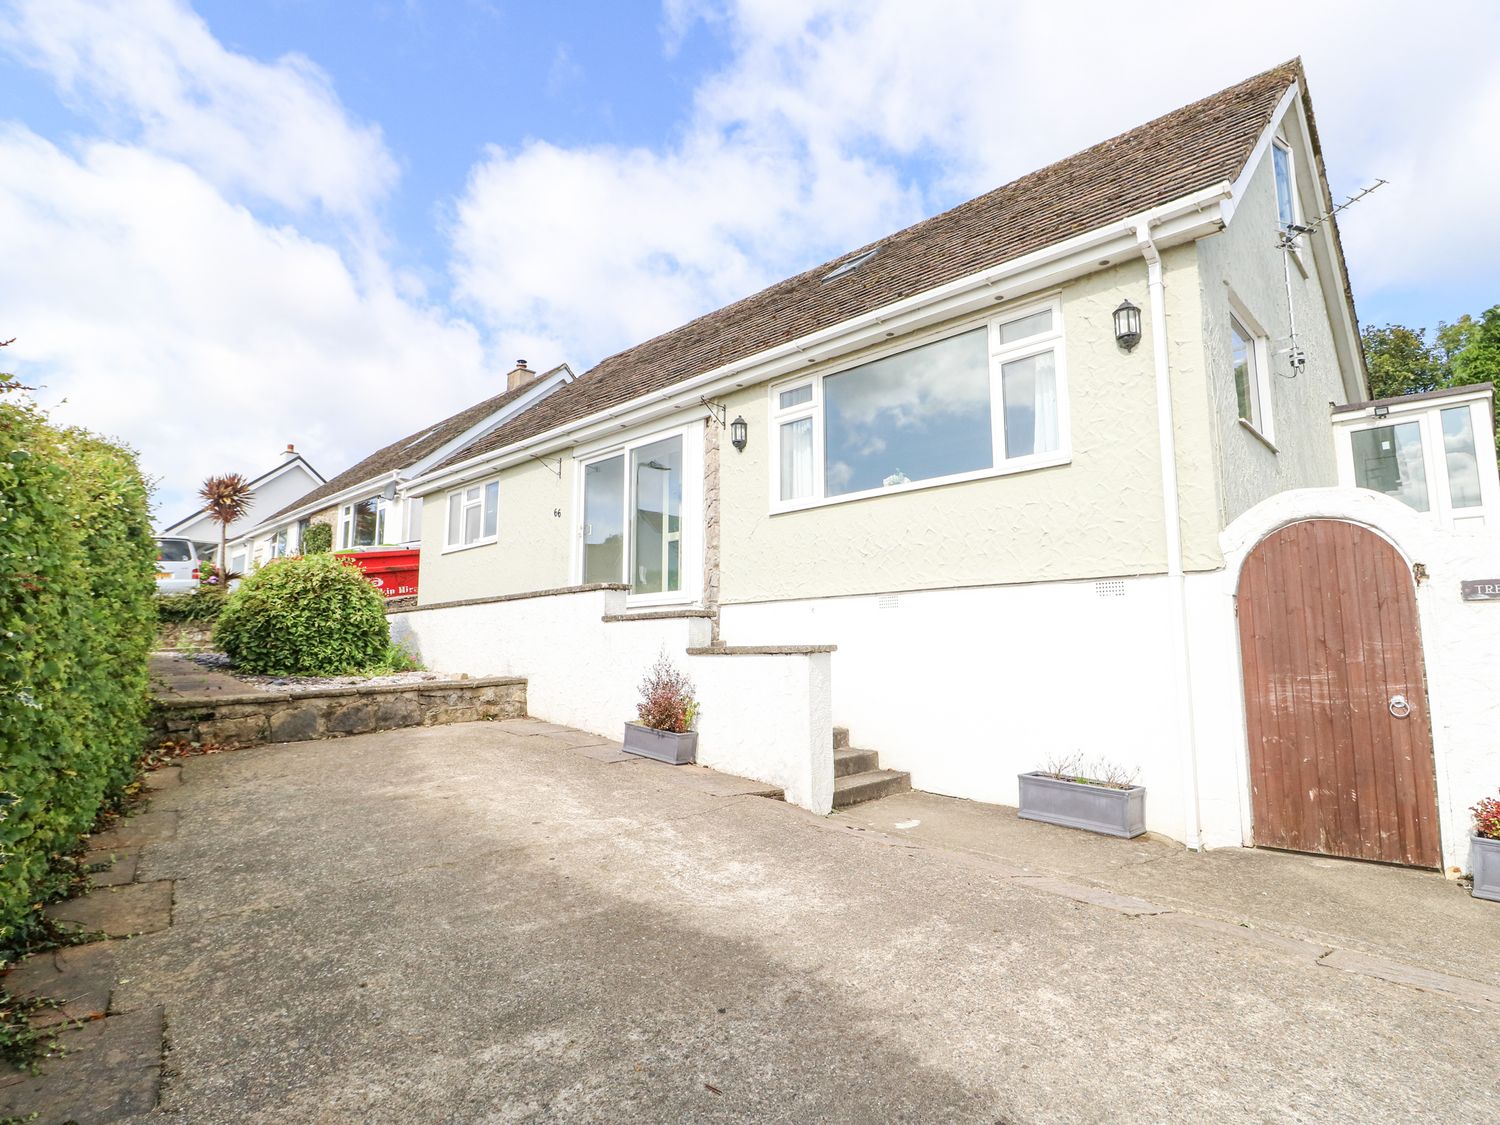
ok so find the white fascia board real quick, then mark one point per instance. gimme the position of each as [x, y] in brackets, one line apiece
[542, 386]
[1179, 221]
[1331, 278]
[337, 498]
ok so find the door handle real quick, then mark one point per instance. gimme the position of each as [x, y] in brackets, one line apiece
[1399, 706]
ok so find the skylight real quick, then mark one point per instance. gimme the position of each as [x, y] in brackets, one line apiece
[851, 264]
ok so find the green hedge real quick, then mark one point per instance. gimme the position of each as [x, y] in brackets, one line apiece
[201, 605]
[317, 539]
[316, 615]
[77, 624]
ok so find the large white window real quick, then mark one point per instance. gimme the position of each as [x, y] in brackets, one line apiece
[474, 515]
[362, 524]
[641, 508]
[1249, 360]
[987, 399]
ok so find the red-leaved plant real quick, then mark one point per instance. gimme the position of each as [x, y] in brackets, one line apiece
[667, 701]
[1487, 818]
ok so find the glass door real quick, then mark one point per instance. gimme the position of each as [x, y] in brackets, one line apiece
[604, 520]
[656, 562]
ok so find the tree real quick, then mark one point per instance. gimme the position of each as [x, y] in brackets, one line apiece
[226, 498]
[1477, 357]
[1401, 362]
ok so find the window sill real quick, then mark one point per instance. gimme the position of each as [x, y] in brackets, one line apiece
[1258, 436]
[456, 547]
[1010, 468]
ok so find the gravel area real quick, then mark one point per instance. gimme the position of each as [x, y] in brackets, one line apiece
[220, 663]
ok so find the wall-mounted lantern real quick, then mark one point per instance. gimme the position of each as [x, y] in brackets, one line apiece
[1127, 326]
[739, 433]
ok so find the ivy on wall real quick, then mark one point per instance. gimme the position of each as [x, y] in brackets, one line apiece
[77, 624]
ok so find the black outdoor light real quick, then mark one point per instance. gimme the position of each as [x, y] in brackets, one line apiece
[1127, 326]
[739, 433]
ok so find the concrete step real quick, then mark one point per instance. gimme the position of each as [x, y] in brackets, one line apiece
[840, 737]
[871, 785]
[847, 760]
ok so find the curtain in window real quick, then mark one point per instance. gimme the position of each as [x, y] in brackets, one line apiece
[797, 459]
[1029, 387]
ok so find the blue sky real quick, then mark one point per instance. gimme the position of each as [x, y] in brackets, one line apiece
[232, 225]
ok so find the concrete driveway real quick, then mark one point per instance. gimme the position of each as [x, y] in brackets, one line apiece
[506, 922]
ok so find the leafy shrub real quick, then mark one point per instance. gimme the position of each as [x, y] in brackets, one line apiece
[78, 621]
[315, 615]
[1487, 818]
[317, 539]
[202, 604]
[667, 701]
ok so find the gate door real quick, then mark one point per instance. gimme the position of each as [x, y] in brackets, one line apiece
[1335, 698]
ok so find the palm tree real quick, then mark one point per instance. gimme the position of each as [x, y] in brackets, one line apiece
[226, 498]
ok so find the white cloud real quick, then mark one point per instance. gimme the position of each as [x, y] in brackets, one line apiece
[273, 132]
[208, 339]
[813, 139]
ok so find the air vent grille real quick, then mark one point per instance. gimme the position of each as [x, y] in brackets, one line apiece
[1110, 588]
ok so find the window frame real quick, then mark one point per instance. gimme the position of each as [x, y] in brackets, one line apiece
[1264, 426]
[449, 543]
[1054, 340]
[346, 523]
[691, 537]
[1280, 145]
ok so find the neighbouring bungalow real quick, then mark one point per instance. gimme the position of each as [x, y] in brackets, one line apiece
[292, 476]
[1052, 473]
[367, 506]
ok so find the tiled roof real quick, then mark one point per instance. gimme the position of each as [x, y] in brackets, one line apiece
[413, 447]
[1191, 148]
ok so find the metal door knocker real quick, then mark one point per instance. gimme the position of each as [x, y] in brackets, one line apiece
[1400, 707]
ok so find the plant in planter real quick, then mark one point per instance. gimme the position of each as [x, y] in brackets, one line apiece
[1099, 797]
[1484, 849]
[666, 712]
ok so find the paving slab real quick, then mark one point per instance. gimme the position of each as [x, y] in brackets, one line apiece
[114, 868]
[470, 925]
[164, 777]
[134, 831]
[81, 977]
[136, 908]
[110, 1071]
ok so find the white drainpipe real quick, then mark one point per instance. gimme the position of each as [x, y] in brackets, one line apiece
[1182, 703]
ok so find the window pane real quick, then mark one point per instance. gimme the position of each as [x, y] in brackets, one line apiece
[603, 526]
[656, 533]
[1389, 459]
[491, 507]
[1463, 463]
[471, 523]
[412, 517]
[797, 459]
[365, 520]
[472, 494]
[1033, 325]
[172, 550]
[1029, 388]
[924, 413]
[796, 397]
[1246, 378]
[455, 502]
[1283, 164]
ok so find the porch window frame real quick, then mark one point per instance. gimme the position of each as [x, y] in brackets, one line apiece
[346, 523]
[690, 543]
[1053, 340]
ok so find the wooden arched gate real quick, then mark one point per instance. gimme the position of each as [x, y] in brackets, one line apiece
[1335, 697]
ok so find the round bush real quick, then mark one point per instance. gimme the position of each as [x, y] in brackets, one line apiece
[311, 616]
[317, 538]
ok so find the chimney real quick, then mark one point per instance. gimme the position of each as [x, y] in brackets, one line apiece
[522, 374]
[291, 451]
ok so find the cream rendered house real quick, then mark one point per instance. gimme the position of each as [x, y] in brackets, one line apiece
[972, 520]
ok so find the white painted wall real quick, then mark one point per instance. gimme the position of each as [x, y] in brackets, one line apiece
[766, 717]
[967, 688]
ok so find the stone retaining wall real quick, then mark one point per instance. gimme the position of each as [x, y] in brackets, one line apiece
[251, 718]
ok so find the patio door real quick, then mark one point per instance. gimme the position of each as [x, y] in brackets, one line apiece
[637, 529]
[1340, 740]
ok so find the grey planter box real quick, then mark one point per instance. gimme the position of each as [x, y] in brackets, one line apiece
[1097, 808]
[663, 745]
[1484, 857]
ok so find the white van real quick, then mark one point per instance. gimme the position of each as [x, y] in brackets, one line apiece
[177, 562]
